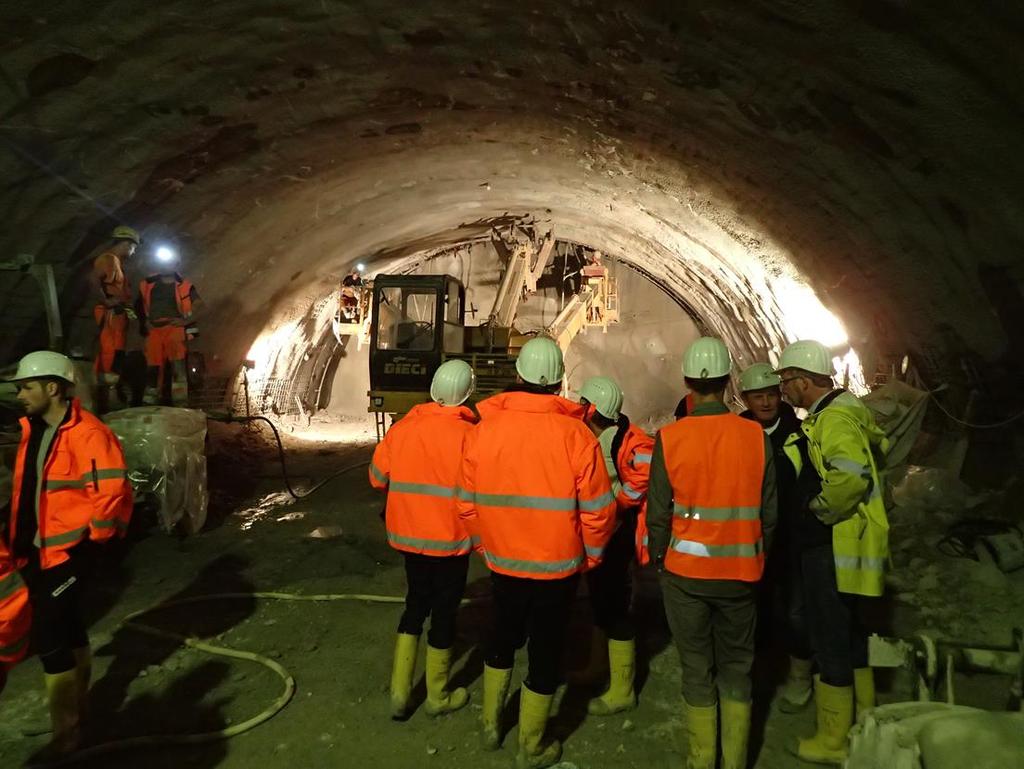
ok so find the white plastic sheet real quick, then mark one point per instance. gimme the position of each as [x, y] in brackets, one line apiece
[166, 453]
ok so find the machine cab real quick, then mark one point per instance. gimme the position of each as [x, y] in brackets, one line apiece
[417, 320]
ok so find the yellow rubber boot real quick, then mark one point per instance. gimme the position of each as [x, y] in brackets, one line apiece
[596, 669]
[620, 695]
[83, 676]
[496, 683]
[834, 705]
[735, 733]
[534, 710]
[797, 691]
[401, 673]
[864, 689]
[62, 697]
[702, 731]
[439, 699]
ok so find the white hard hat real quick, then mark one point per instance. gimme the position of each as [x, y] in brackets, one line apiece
[758, 377]
[44, 363]
[453, 383]
[540, 362]
[604, 394]
[806, 355]
[707, 358]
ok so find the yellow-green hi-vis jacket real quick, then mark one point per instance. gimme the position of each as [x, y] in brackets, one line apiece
[846, 448]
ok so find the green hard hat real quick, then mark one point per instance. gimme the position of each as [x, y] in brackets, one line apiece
[604, 394]
[758, 377]
[540, 362]
[707, 358]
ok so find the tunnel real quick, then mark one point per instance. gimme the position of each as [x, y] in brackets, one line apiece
[761, 172]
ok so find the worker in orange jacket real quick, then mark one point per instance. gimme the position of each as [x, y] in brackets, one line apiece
[166, 305]
[711, 511]
[537, 501]
[418, 464]
[113, 312]
[70, 487]
[627, 455]
[15, 614]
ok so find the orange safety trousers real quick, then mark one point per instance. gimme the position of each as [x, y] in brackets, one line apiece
[418, 463]
[165, 344]
[113, 337]
[15, 612]
[715, 465]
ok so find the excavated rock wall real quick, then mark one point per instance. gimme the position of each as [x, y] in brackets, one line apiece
[870, 147]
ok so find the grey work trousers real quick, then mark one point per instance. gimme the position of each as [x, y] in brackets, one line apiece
[713, 627]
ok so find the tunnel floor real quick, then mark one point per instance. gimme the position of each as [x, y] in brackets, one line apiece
[340, 653]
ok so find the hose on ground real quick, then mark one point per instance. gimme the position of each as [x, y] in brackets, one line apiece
[131, 622]
[281, 457]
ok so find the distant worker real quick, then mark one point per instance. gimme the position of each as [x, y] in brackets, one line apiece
[627, 456]
[844, 539]
[166, 305]
[781, 599]
[15, 613]
[113, 312]
[350, 296]
[418, 464]
[70, 487]
[711, 512]
[537, 501]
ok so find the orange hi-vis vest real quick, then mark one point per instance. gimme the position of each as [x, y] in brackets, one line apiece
[182, 295]
[716, 466]
[83, 490]
[418, 463]
[15, 611]
[535, 494]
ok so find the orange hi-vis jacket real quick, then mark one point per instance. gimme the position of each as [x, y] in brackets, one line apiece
[15, 611]
[182, 295]
[83, 490]
[634, 467]
[535, 494]
[715, 465]
[418, 463]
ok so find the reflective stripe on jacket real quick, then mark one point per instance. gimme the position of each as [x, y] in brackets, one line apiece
[845, 446]
[84, 491]
[182, 295]
[535, 494]
[418, 463]
[716, 467]
[15, 611]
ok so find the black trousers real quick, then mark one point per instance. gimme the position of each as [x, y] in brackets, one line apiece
[611, 584]
[57, 624]
[837, 635]
[533, 611]
[436, 585]
[781, 618]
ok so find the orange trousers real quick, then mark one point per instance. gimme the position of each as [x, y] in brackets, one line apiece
[113, 339]
[165, 344]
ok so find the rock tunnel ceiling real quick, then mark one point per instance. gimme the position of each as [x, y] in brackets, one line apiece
[866, 146]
